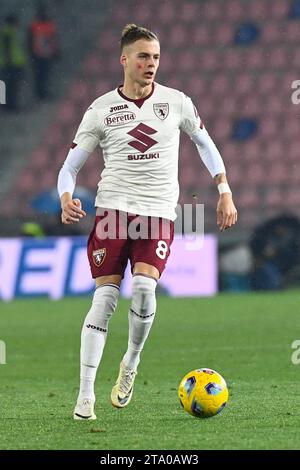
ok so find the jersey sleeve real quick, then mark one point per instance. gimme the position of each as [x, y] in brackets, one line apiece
[190, 121]
[88, 134]
[193, 126]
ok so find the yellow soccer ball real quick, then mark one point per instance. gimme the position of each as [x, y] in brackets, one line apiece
[203, 393]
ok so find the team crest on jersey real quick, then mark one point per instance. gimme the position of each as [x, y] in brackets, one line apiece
[161, 110]
[99, 256]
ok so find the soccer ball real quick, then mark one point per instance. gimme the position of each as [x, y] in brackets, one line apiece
[203, 393]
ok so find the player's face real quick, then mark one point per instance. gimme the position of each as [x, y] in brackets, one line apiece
[141, 61]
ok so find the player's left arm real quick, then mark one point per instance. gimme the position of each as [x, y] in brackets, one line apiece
[210, 155]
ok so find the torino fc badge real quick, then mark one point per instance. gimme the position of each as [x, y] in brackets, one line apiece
[161, 110]
[99, 256]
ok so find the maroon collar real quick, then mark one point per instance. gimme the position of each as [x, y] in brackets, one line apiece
[140, 101]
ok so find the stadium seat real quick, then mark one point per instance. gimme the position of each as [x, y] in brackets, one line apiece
[167, 13]
[256, 10]
[274, 197]
[223, 34]
[272, 34]
[244, 128]
[268, 129]
[212, 11]
[278, 172]
[292, 197]
[187, 61]
[278, 58]
[143, 15]
[244, 84]
[267, 83]
[232, 59]
[252, 59]
[201, 36]
[207, 61]
[178, 35]
[292, 32]
[188, 11]
[248, 198]
[246, 34]
[228, 106]
[234, 11]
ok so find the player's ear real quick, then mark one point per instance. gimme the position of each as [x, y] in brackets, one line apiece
[123, 59]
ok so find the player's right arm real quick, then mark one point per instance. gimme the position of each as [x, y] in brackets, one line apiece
[86, 140]
[71, 211]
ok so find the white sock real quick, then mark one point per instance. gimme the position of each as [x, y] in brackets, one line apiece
[93, 336]
[141, 316]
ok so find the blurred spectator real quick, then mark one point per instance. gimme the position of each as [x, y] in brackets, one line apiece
[43, 48]
[235, 264]
[275, 247]
[12, 60]
[32, 229]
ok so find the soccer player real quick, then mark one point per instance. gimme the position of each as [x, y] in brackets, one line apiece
[137, 126]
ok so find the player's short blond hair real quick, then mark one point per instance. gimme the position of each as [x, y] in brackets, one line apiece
[132, 33]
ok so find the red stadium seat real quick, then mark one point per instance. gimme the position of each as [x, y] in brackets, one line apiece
[212, 11]
[187, 61]
[167, 13]
[232, 60]
[143, 15]
[274, 197]
[278, 58]
[256, 10]
[268, 129]
[272, 34]
[201, 36]
[292, 197]
[178, 35]
[220, 85]
[267, 83]
[280, 9]
[235, 11]
[254, 59]
[248, 198]
[278, 172]
[244, 84]
[292, 33]
[207, 61]
[223, 34]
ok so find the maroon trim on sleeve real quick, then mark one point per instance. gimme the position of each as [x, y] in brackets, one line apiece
[73, 145]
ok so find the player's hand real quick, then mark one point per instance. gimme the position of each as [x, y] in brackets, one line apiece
[226, 212]
[72, 212]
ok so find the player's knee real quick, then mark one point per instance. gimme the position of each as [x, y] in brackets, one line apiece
[106, 298]
[143, 295]
[104, 304]
[143, 284]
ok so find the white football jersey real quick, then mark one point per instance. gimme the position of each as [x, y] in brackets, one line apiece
[140, 143]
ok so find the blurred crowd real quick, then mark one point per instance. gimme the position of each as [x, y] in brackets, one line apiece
[27, 53]
[269, 260]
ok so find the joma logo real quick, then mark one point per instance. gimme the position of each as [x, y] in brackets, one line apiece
[118, 108]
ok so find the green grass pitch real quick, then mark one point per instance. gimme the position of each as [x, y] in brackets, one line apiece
[247, 338]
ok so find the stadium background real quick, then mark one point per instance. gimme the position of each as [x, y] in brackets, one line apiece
[237, 60]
